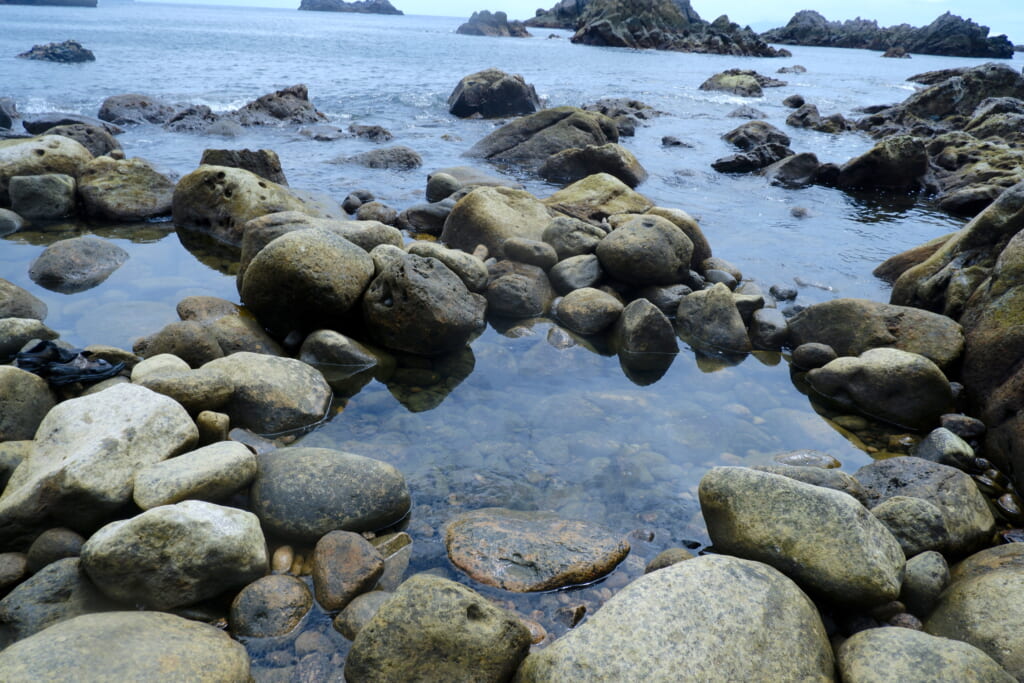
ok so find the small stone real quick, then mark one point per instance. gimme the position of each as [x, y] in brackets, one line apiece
[53, 545]
[667, 558]
[358, 612]
[271, 606]
[344, 566]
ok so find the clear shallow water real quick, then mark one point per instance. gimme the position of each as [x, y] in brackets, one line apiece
[517, 422]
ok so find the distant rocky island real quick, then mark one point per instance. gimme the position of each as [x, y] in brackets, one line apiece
[359, 7]
[496, 25]
[62, 3]
[948, 35]
[656, 24]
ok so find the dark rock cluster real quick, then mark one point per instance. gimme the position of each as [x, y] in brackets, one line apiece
[358, 7]
[497, 25]
[68, 52]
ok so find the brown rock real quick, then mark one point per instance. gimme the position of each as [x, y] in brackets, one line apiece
[344, 565]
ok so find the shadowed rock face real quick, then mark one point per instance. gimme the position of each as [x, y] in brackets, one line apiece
[495, 24]
[947, 35]
[360, 7]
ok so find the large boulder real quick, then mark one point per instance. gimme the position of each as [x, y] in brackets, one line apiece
[495, 25]
[529, 140]
[492, 93]
[823, 539]
[272, 394]
[290, 105]
[898, 163]
[134, 108]
[737, 620]
[418, 305]
[964, 511]
[76, 264]
[436, 629]
[67, 52]
[304, 493]
[903, 654]
[25, 399]
[39, 156]
[598, 197]
[573, 164]
[983, 606]
[742, 82]
[518, 290]
[211, 473]
[124, 190]
[588, 311]
[399, 158]
[647, 250]
[220, 200]
[709, 319]
[85, 456]
[57, 592]
[305, 280]
[531, 551]
[902, 388]
[127, 646]
[176, 555]
[97, 139]
[263, 162]
[16, 302]
[853, 326]
[491, 215]
[46, 197]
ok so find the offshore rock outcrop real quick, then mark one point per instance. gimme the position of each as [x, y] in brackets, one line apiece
[665, 25]
[948, 35]
[359, 7]
[494, 24]
[68, 52]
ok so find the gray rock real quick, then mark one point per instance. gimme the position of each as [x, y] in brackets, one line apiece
[426, 218]
[304, 493]
[441, 185]
[133, 108]
[13, 569]
[270, 606]
[915, 523]
[901, 654]
[575, 163]
[742, 82]
[330, 348]
[38, 156]
[490, 215]
[469, 268]
[598, 197]
[359, 612]
[25, 399]
[306, 280]
[576, 272]
[52, 545]
[899, 163]
[272, 395]
[211, 473]
[813, 355]
[945, 448]
[16, 302]
[234, 329]
[819, 476]
[263, 162]
[10, 222]
[823, 539]
[905, 389]
[56, 593]
[588, 311]
[492, 93]
[572, 237]
[398, 158]
[666, 297]
[418, 305]
[852, 326]
[965, 511]
[85, 456]
[176, 555]
[288, 105]
[926, 577]
[518, 290]
[76, 264]
[523, 551]
[127, 646]
[377, 211]
[531, 252]
[94, 138]
[46, 197]
[647, 250]
[797, 170]
[435, 629]
[709, 319]
[769, 329]
[344, 565]
[124, 190]
[740, 621]
[644, 331]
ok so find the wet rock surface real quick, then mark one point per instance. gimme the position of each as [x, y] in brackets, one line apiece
[531, 551]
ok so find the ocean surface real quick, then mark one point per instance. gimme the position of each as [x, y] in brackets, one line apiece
[515, 422]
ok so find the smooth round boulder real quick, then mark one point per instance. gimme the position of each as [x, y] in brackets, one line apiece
[418, 305]
[126, 646]
[124, 190]
[709, 319]
[437, 629]
[531, 252]
[572, 237]
[518, 290]
[76, 264]
[643, 330]
[926, 577]
[904, 389]
[576, 163]
[16, 302]
[524, 551]
[344, 565]
[597, 197]
[305, 280]
[469, 268]
[52, 545]
[490, 215]
[492, 93]
[358, 613]
[823, 539]
[739, 621]
[576, 272]
[902, 654]
[648, 250]
[57, 592]
[303, 493]
[176, 555]
[211, 473]
[270, 606]
[38, 156]
[46, 197]
[588, 311]
[25, 399]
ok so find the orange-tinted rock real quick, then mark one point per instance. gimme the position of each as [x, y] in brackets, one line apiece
[344, 565]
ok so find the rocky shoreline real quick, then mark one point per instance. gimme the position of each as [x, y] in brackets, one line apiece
[174, 485]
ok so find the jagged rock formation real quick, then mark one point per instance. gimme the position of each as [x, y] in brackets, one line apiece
[497, 25]
[664, 25]
[948, 35]
[359, 7]
[68, 52]
[566, 14]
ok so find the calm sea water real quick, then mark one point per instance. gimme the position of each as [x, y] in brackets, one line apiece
[518, 422]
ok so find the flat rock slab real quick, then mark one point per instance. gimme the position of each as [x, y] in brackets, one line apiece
[531, 551]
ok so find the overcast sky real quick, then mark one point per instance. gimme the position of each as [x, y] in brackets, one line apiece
[1002, 16]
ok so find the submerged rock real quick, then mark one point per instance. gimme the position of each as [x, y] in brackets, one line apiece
[531, 551]
[739, 620]
[742, 82]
